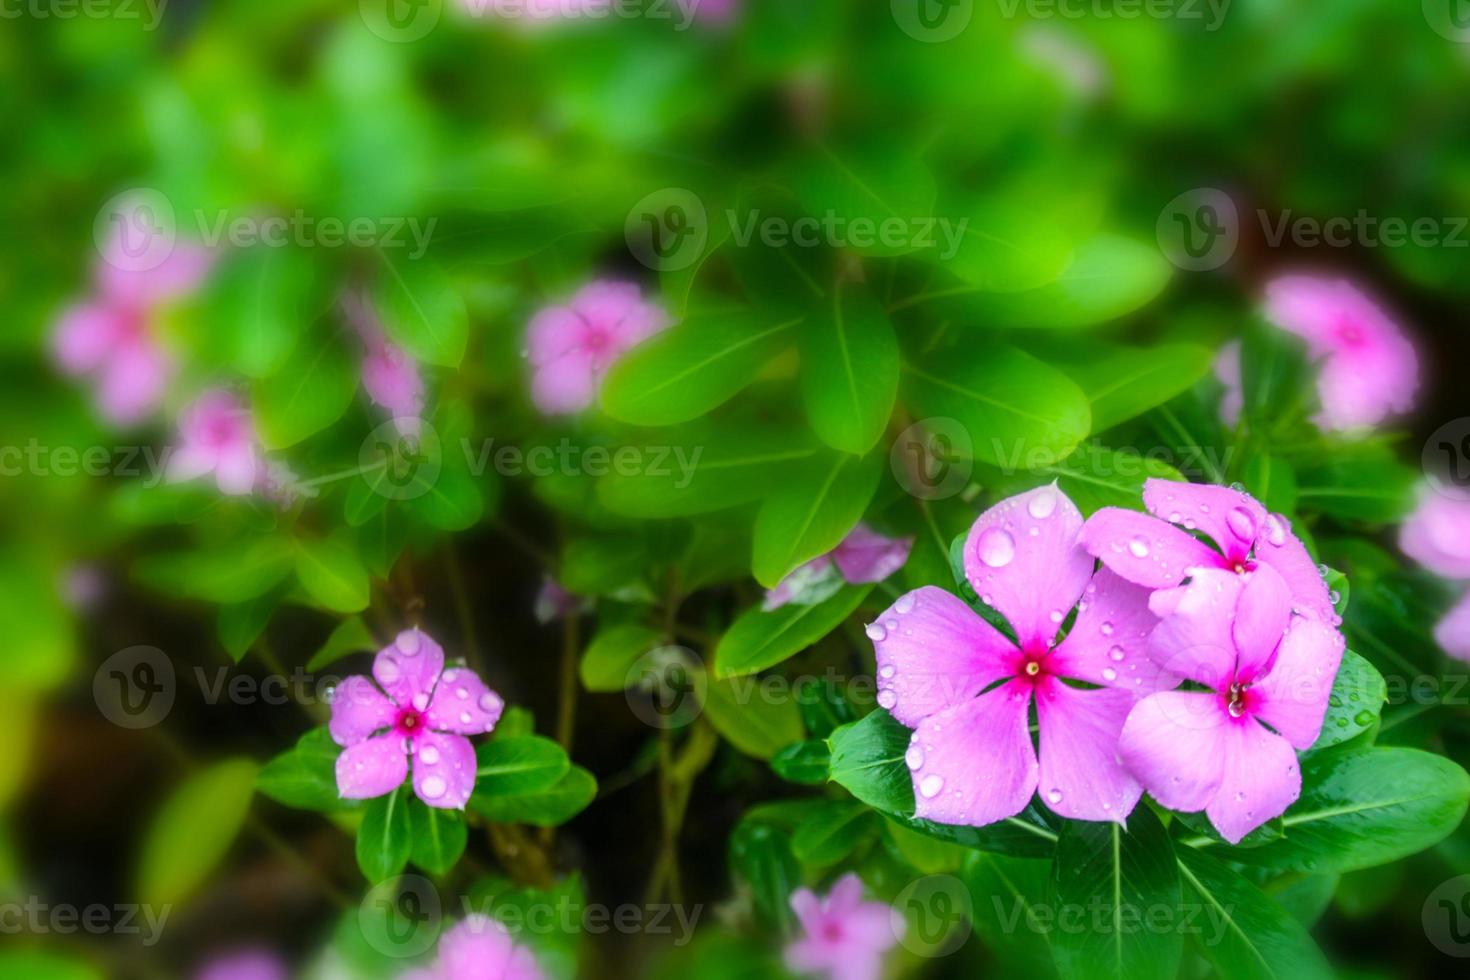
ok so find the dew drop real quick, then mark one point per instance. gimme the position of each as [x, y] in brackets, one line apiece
[466, 718]
[905, 604]
[408, 642]
[914, 757]
[421, 701]
[1138, 548]
[488, 702]
[887, 699]
[1116, 654]
[1242, 524]
[1054, 796]
[434, 787]
[1042, 505]
[876, 632]
[1276, 528]
[462, 693]
[996, 547]
[1106, 629]
[1056, 616]
[886, 671]
[930, 786]
[429, 755]
[1109, 674]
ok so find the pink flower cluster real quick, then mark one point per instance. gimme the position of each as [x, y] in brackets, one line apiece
[479, 948]
[1240, 611]
[1437, 536]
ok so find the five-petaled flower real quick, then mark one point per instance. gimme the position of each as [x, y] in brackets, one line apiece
[112, 336]
[479, 948]
[1209, 750]
[845, 937]
[1152, 552]
[572, 347]
[966, 688]
[863, 557]
[216, 435]
[417, 711]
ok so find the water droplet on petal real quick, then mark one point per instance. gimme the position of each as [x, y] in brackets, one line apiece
[421, 701]
[429, 755]
[905, 604]
[1043, 504]
[930, 786]
[887, 699]
[462, 693]
[914, 757]
[1109, 674]
[1138, 548]
[886, 671]
[996, 547]
[1241, 523]
[1275, 529]
[408, 642]
[433, 788]
[1116, 654]
[1106, 629]
[876, 632]
[1054, 796]
[1056, 616]
[489, 702]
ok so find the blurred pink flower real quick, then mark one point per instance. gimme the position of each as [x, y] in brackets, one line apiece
[537, 10]
[555, 602]
[479, 948]
[1368, 368]
[711, 11]
[245, 964]
[864, 556]
[1151, 551]
[967, 689]
[424, 715]
[1437, 536]
[216, 436]
[109, 337]
[390, 375]
[1227, 372]
[1263, 665]
[571, 347]
[845, 937]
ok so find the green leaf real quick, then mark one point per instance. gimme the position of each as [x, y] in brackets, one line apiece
[450, 502]
[310, 391]
[35, 964]
[602, 565]
[1095, 477]
[1242, 932]
[867, 187]
[1122, 878]
[760, 855]
[385, 838]
[193, 831]
[686, 371]
[810, 512]
[421, 310]
[1012, 915]
[331, 574]
[868, 761]
[515, 765]
[805, 763]
[706, 468]
[348, 637]
[240, 624]
[612, 654]
[1363, 808]
[1123, 383]
[228, 573]
[849, 370]
[258, 301]
[1365, 484]
[439, 837]
[1005, 246]
[549, 807]
[833, 832]
[305, 775]
[760, 639]
[749, 719]
[1272, 481]
[1357, 699]
[1020, 413]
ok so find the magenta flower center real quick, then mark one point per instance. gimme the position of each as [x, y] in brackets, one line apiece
[1238, 699]
[832, 930]
[1349, 333]
[410, 722]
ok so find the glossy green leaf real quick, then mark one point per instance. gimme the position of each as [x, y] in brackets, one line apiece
[439, 837]
[810, 512]
[761, 856]
[1357, 699]
[832, 833]
[421, 309]
[259, 301]
[385, 838]
[759, 639]
[750, 719]
[1125, 382]
[309, 392]
[193, 831]
[612, 653]
[849, 370]
[330, 572]
[347, 637]
[515, 765]
[549, 807]
[868, 189]
[305, 775]
[806, 762]
[1005, 246]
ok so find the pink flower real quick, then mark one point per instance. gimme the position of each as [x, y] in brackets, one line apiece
[864, 556]
[571, 347]
[1369, 369]
[419, 711]
[247, 964]
[1151, 552]
[555, 602]
[966, 688]
[711, 11]
[538, 10]
[479, 948]
[1209, 750]
[110, 338]
[846, 937]
[216, 436]
[390, 376]
[1227, 372]
[1437, 536]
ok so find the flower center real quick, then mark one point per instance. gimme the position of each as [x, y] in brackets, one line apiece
[1033, 667]
[1349, 333]
[410, 722]
[831, 931]
[1235, 699]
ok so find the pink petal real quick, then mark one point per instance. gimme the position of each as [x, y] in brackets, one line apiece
[866, 556]
[463, 704]
[845, 897]
[85, 334]
[1228, 517]
[181, 273]
[443, 769]
[236, 469]
[358, 710]
[189, 463]
[1284, 552]
[133, 382]
[1260, 779]
[1437, 535]
[409, 668]
[1453, 632]
[553, 333]
[480, 948]
[564, 386]
[1145, 550]
[1195, 638]
[371, 768]
[1308, 306]
[392, 381]
[1172, 744]
[1359, 391]
[807, 584]
[1227, 372]
[933, 651]
[1108, 643]
[808, 909]
[812, 955]
[1262, 614]
[1023, 560]
[1292, 697]
[1081, 777]
[973, 764]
